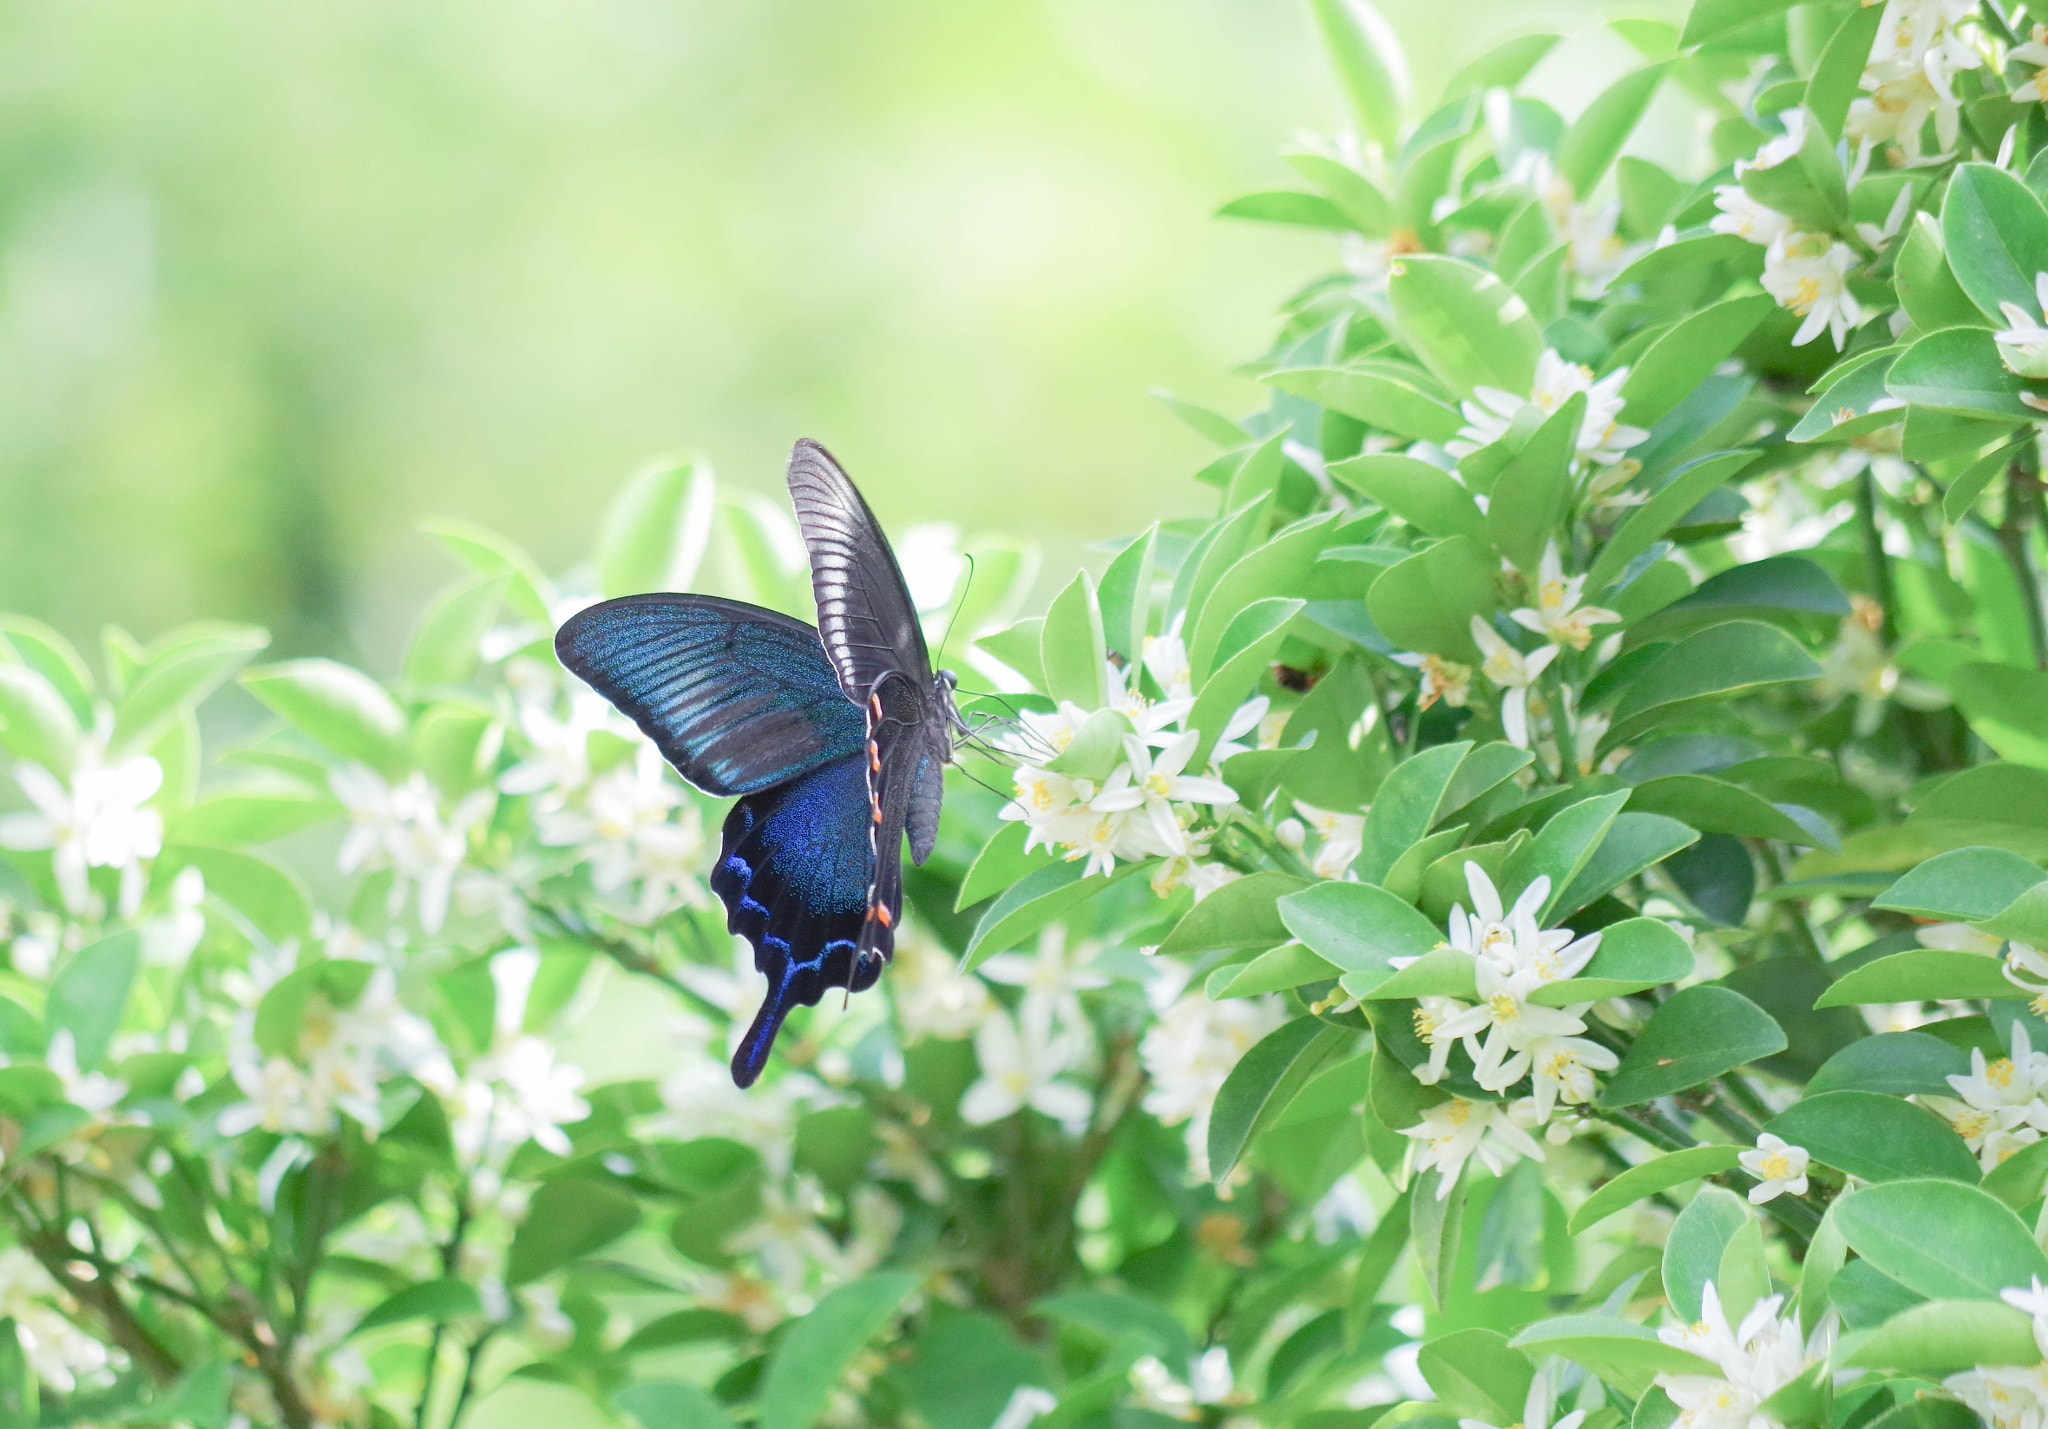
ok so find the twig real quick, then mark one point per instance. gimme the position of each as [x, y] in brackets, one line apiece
[569, 925]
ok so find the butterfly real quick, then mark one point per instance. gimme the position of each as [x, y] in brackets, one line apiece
[834, 737]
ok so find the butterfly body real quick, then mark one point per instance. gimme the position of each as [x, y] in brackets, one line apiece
[834, 739]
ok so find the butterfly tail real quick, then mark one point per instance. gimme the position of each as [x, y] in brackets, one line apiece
[752, 1054]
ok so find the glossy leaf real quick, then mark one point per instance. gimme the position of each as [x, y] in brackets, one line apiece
[1899, 1063]
[1427, 601]
[812, 1356]
[1071, 649]
[1647, 523]
[340, 708]
[1359, 928]
[1694, 1249]
[1927, 974]
[1959, 370]
[1265, 1079]
[1995, 232]
[1427, 497]
[1634, 955]
[1405, 808]
[568, 1217]
[1945, 1335]
[1369, 64]
[1244, 913]
[90, 992]
[1876, 1137]
[1468, 327]
[1696, 1033]
[1686, 354]
[1381, 399]
[1714, 664]
[1659, 1173]
[1983, 1247]
[1596, 137]
[1964, 883]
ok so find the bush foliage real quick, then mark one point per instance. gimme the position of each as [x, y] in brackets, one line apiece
[1531, 915]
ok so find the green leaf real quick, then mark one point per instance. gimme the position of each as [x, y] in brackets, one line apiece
[1659, 1173]
[1901, 1063]
[2021, 1177]
[1381, 398]
[1244, 913]
[446, 645]
[670, 1404]
[1686, 354]
[1530, 494]
[1965, 884]
[1697, 1244]
[1436, 1225]
[1634, 955]
[1264, 1081]
[1427, 497]
[1001, 862]
[1503, 67]
[1125, 595]
[656, 529]
[2005, 707]
[1563, 846]
[1278, 567]
[1017, 647]
[1288, 206]
[430, 1300]
[1356, 196]
[178, 678]
[1687, 487]
[1367, 57]
[341, 708]
[488, 554]
[1839, 69]
[1244, 654]
[1405, 808]
[1071, 648]
[1963, 492]
[1696, 1033]
[1606, 1346]
[812, 1356]
[1877, 1137]
[1476, 1375]
[90, 992]
[1709, 667]
[1928, 291]
[1711, 19]
[35, 722]
[1467, 326]
[1427, 601]
[1275, 970]
[268, 896]
[1716, 806]
[1634, 842]
[1925, 974]
[1034, 902]
[1774, 583]
[568, 1217]
[1595, 138]
[1981, 1249]
[1358, 927]
[1995, 233]
[1959, 370]
[1944, 1335]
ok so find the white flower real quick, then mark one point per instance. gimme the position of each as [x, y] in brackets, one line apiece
[96, 1092]
[1209, 1382]
[1018, 1069]
[2032, 51]
[638, 829]
[1442, 679]
[1778, 1166]
[1158, 778]
[2001, 1106]
[1756, 1360]
[1026, 1404]
[517, 1091]
[2027, 968]
[1602, 439]
[2025, 335]
[1561, 1070]
[401, 826]
[1514, 672]
[1189, 1050]
[559, 763]
[1779, 147]
[1453, 1132]
[58, 1352]
[100, 821]
[933, 998]
[1052, 978]
[1166, 659]
[1557, 615]
[1744, 217]
[2004, 1396]
[1341, 837]
[1536, 1410]
[1808, 273]
[1248, 718]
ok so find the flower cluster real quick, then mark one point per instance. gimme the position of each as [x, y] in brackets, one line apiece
[1999, 1106]
[1507, 1035]
[1135, 800]
[1602, 438]
[1190, 1049]
[1921, 46]
[99, 818]
[1757, 1358]
[2011, 1396]
[1808, 273]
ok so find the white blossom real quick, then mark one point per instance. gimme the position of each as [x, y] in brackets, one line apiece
[1020, 1067]
[401, 826]
[1189, 1050]
[57, 1351]
[1536, 1411]
[639, 830]
[1511, 670]
[1340, 835]
[1808, 273]
[517, 1091]
[1453, 1132]
[1602, 439]
[1999, 1104]
[1744, 217]
[100, 820]
[1209, 1381]
[1778, 1166]
[1557, 615]
[2024, 337]
[932, 997]
[1052, 977]
[1756, 1360]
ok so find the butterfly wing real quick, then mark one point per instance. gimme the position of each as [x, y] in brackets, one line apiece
[737, 698]
[865, 615]
[796, 875]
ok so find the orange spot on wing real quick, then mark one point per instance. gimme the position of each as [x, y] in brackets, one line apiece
[874, 757]
[882, 915]
[877, 811]
[875, 703]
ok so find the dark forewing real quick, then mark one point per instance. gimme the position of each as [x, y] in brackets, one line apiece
[736, 697]
[794, 873]
[865, 617]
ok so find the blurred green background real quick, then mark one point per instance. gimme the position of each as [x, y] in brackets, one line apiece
[279, 280]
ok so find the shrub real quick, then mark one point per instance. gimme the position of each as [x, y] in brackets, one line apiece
[1532, 915]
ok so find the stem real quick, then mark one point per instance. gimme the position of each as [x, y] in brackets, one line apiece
[100, 1294]
[451, 1254]
[572, 926]
[1874, 553]
[2022, 509]
[462, 1396]
[1652, 1126]
[1745, 1096]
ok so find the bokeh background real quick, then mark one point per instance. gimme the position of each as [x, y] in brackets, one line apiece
[280, 280]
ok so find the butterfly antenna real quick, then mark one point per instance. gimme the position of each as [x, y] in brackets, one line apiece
[958, 606]
[1000, 794]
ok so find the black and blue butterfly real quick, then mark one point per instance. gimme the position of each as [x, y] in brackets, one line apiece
[834, 738]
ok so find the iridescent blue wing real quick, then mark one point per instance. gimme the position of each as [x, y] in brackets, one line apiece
[796, 873]
[865, 616]
[737, 698]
